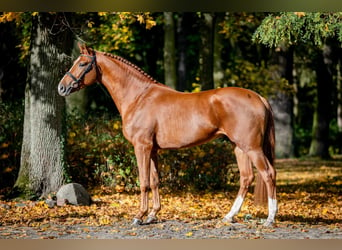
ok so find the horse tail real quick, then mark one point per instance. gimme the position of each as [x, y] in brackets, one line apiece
[260, 191]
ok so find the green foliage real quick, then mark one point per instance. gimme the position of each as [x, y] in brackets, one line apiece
[239, 26]
[247, 64]
[11, 116]
[116, 31]
[95, 147]
[205, 167]
[263, 80]
[291, 28]
[24, 24]
[98, 154]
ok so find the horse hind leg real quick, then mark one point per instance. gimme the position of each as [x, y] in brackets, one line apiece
[154, 183]
[268, 174]
[246, 179]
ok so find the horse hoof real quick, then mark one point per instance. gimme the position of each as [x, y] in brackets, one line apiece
[136, 222]
[151, 219]
[268, 224]
[228, 220]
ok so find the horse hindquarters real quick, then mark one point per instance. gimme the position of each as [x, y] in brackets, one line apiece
[252, 130]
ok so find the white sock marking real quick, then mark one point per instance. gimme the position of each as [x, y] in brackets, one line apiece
[272, 209]
[235, 208]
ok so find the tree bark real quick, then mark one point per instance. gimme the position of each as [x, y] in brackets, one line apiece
[169, 51]
[339, 101]
[319, 146]
[339, 95]
[183, 29]
[218, 71]
[282, 105]
[42, 157]
[206, 53]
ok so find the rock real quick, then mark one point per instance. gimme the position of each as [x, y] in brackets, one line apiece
[5, 206]
[20, 205]
[73, 193]
[51, 203]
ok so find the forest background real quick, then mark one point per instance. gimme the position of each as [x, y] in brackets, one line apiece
[292, 58]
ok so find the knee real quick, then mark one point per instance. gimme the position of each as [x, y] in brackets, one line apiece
[269, 178]
[154, 185]
[144, 188]
[246, 181]
[250, 179]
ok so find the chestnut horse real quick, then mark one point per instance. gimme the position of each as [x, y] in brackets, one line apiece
[155, 116]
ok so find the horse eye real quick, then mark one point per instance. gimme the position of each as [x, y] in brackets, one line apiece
[82, 64]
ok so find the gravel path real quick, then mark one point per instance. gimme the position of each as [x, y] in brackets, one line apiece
[210, 229]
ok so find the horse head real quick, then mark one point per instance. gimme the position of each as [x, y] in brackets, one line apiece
[82, 73]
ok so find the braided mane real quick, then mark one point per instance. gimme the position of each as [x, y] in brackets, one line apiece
[128, 63]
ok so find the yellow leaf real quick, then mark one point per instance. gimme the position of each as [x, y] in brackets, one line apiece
[90, 24]
[300, 14]
[189, 234]
[116, 125]
[104, 220]
[4, 145]
[150, 24]
[140, 19]
[4, 156]
[115, 204]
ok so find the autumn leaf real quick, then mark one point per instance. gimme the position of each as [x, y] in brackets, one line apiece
[300, 14]
[140, 19]
[189, 234]
[298, 204]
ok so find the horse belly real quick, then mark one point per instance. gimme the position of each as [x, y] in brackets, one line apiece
[184, 132]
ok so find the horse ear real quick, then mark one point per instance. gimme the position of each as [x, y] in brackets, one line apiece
[82, 47]
[89, 50]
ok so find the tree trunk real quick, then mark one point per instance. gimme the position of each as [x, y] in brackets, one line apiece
[319, 146]
[169, 51]
[1, 90]
[339, 102]
[218, 71]
[42, 157]
[282, 105]
[339, 96]
[183, 29]
[206, 53]
[22, 181]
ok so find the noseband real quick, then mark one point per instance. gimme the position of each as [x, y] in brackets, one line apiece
[76, 83]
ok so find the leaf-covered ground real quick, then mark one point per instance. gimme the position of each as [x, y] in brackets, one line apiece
[309, 197]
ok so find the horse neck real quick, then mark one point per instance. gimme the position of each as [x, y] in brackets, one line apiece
[124, 82]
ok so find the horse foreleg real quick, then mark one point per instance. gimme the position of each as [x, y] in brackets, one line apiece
[246, 178]
[154, 183]
[268, 174]
[143, 155]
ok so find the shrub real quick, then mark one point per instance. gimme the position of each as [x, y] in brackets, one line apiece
[11, 131]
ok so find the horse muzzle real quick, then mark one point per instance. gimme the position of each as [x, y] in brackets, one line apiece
[64, 90]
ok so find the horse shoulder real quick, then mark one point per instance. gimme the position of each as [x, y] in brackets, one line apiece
[140, 119]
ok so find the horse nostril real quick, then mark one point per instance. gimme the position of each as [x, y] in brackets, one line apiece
[61, 89]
